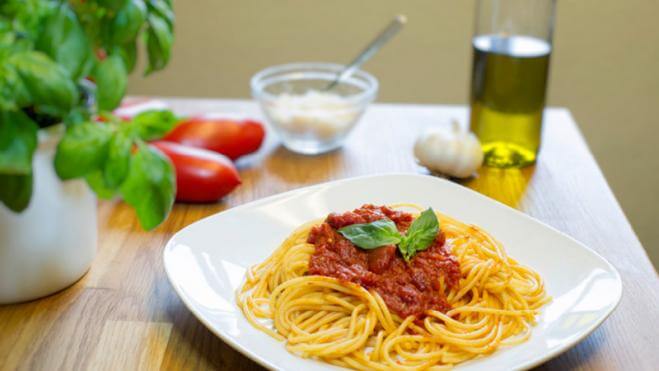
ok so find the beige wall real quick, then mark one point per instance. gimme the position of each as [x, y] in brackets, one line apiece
[605, 67]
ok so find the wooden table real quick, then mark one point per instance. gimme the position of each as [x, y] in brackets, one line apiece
[123, 314]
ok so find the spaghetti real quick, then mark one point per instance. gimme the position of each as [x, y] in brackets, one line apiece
[493, 304]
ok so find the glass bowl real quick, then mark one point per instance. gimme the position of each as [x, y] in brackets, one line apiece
[308, 119]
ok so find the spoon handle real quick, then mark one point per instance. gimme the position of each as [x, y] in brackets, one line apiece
[383, 37]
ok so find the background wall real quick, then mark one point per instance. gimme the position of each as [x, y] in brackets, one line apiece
[605, 67]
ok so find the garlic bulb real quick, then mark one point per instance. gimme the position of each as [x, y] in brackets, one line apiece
[452, 152]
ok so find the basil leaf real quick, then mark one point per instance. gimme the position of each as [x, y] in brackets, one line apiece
[16, 191]
[151, 125]
[18, 140]
[111, 4]
[77, 115]
[24, 17]
[128, 21]
[159, 38]
[65, 41]
[96, 182]
[420, 235]
[83, 149]
[46, 82]
[128, 53]
[372, 235]
[150, 186]
[110, 77]
[164, 9]
[116, 164]
[13, 92]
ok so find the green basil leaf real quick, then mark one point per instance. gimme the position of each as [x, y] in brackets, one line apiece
[151, 125]
[163, 9]
[46, 82]
[110, 77]
[7, 92]
[82, 150]
[77, 115]
[150, 186]
[25, 15]
[159, 38]
[18, 140]
[96, 182]
[16, 191]
[128, 21]
[64, 40]
[128, 53]
[13, 92]
[420, 235]
[116, 164]
[372, 235]
[111, 4]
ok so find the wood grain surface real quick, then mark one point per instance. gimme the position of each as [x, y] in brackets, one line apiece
[124, 315]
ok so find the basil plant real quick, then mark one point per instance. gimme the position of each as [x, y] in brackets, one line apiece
[54, 56]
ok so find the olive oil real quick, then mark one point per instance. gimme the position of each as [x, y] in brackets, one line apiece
[508, 86]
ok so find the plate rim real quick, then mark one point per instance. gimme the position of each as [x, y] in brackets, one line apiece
[535, 361]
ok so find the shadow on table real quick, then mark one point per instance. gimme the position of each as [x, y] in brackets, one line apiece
[504, 185]
[295, 168]
[192, 346]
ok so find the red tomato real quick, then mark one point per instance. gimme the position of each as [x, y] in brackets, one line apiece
[233, 138]
[201, 175]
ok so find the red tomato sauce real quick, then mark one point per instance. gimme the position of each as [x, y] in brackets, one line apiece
[408, 288]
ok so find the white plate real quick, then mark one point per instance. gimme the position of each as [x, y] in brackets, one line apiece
[206, 263]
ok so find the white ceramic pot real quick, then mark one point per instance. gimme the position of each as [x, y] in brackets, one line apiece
[52, 243]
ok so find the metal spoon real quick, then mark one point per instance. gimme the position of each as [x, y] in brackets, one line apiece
[383, 37]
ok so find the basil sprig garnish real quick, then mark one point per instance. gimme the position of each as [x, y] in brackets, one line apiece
[372, 235]
[383, 232]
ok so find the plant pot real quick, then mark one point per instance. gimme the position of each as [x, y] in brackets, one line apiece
[52, 243]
